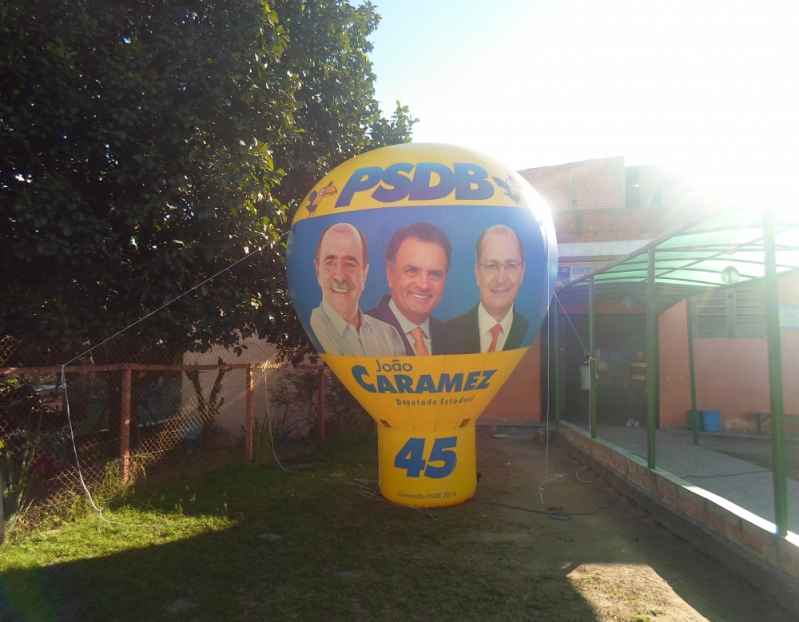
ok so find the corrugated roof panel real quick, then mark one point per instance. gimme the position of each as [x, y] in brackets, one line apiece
[692, 257]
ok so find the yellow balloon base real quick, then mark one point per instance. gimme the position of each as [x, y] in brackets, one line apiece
[427, 469]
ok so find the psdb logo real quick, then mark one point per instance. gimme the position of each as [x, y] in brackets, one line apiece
[469, 181]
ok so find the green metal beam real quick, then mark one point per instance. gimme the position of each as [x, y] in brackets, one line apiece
[651, 360]
[591, 360]
[694, 417]
[775, 376]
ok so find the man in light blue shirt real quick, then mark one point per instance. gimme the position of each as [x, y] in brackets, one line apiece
[338, 323]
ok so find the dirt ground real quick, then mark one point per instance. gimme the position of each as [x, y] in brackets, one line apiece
[616, 556]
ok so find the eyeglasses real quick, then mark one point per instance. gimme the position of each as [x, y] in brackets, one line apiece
[493, 268]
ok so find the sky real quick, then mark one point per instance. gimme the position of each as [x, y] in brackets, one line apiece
[708, 88]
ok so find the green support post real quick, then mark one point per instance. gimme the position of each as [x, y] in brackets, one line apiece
[651, 360]
[558, 394]
[563, 383]
[694, 419]
[775, 375]
[591, 360]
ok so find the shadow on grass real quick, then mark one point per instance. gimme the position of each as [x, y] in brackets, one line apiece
[238, 575]
[310, 545]
[313, 544]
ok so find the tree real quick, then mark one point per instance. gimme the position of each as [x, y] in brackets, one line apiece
[146, 145]
[338, 117]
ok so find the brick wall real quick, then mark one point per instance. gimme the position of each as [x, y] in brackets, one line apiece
[745, 543]
[588, 185]
[608, 224]
[589, 199]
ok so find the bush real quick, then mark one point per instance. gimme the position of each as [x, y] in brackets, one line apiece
[294, 408]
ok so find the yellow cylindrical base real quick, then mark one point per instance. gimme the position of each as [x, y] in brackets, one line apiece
[427, 469]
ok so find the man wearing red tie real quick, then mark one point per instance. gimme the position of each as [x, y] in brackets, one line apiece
[417, 262]
[494, 324]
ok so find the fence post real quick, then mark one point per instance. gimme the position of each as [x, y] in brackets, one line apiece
[124, 433]
[320, 397]
[248, 417]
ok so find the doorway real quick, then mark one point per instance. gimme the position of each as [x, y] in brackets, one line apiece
[618, 336]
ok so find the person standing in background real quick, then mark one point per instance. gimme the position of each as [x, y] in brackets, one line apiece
[636, 386]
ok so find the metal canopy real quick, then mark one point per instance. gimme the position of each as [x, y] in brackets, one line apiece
[720, 249]
[726, 248]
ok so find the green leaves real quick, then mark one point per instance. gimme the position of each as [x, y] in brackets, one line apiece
[144, 145]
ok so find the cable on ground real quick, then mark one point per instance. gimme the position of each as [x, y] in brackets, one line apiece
[559, 515]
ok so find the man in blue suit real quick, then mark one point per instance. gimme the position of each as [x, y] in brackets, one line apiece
[494, 324]
[417, 262]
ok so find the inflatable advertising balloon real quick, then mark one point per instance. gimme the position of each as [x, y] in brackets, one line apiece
[422, 274]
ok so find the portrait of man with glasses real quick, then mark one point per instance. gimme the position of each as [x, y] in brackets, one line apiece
[494, 324]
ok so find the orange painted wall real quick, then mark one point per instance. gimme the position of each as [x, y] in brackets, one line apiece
[675, 380]
[731, 374]
[519, 398]
[732, 377]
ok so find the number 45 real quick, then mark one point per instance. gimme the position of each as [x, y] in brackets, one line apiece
[410, 457]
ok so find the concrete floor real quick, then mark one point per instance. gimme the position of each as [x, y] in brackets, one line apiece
[743, 483]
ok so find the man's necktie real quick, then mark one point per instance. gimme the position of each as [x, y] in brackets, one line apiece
[417, 334]
[494, 336]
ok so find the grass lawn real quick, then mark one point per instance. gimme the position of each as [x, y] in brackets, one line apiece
[260, 543]
[254, 543]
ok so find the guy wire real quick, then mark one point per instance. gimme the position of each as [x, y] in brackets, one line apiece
[166, 304]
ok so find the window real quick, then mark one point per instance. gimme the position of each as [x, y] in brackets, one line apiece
[732, 313]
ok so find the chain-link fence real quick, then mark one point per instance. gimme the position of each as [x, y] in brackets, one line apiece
[152, 412]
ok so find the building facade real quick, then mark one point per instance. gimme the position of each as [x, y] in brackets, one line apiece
[603, 210]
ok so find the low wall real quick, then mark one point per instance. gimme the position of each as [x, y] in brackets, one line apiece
[742, 541]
